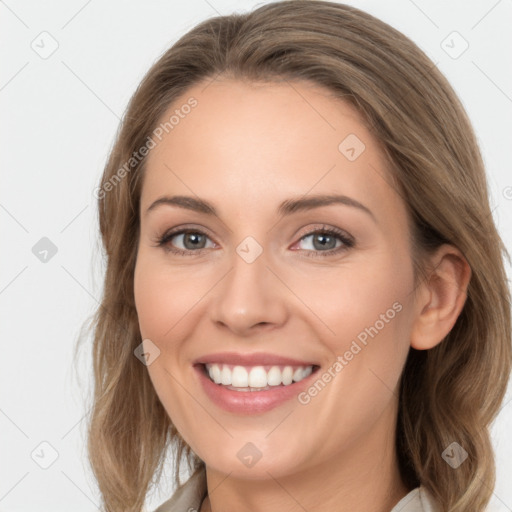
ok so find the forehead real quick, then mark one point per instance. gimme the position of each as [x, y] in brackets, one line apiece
[252, 144]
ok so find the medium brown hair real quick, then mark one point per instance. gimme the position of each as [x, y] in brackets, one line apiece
[449, 393]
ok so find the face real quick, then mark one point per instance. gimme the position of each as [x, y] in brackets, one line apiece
[266, 276]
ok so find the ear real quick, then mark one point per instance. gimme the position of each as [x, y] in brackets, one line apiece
[440, 297]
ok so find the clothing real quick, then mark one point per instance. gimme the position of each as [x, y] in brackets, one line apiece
[190, 495]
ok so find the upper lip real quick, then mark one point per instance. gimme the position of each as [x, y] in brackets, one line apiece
[253, 359]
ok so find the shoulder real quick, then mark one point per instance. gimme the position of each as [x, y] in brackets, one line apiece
[188, 496]
[191, 494]
[418, 500]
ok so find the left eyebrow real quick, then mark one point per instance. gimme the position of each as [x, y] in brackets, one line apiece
[287, 207]
[308, 203]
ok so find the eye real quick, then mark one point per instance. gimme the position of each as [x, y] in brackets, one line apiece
[193, 240]
[326, 241]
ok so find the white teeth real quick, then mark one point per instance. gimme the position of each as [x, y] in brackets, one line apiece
[297, 374]
[256, 376]
[287, 375]
[274, 376]
[239, 377]
[225, 377]
[216, 374]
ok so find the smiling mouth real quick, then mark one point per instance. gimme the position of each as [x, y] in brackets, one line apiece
[256, 378]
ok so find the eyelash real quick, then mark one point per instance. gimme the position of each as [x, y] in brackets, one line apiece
[347, 241]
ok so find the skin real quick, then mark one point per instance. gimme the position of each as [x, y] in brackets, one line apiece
[245, 148]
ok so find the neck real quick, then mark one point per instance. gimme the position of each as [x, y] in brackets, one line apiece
[364, 477]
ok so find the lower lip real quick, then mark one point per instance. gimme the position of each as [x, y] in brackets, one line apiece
[250, 402]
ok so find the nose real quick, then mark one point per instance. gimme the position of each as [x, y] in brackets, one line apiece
[250, 298]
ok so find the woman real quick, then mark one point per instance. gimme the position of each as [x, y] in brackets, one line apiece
[305, 295]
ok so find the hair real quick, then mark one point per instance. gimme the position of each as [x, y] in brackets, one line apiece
[449, 393]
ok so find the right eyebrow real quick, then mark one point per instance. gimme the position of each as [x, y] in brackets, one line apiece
[187, 202]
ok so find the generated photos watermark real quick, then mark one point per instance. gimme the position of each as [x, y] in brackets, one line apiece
[150, 143]
[355, 348]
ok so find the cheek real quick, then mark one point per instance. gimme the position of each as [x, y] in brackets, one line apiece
[370, 319]
[358, 297]
[368, 313]
[160, 304]
[163, 297]
[151, 301]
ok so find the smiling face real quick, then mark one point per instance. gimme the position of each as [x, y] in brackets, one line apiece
[263, 268]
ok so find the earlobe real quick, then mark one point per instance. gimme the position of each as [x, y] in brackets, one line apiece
[441, 298]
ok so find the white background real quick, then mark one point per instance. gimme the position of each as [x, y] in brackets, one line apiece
[59, 116]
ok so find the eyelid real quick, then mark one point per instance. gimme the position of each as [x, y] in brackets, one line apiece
[325, 228]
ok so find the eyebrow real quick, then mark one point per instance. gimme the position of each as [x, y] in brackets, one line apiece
[286, 208]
